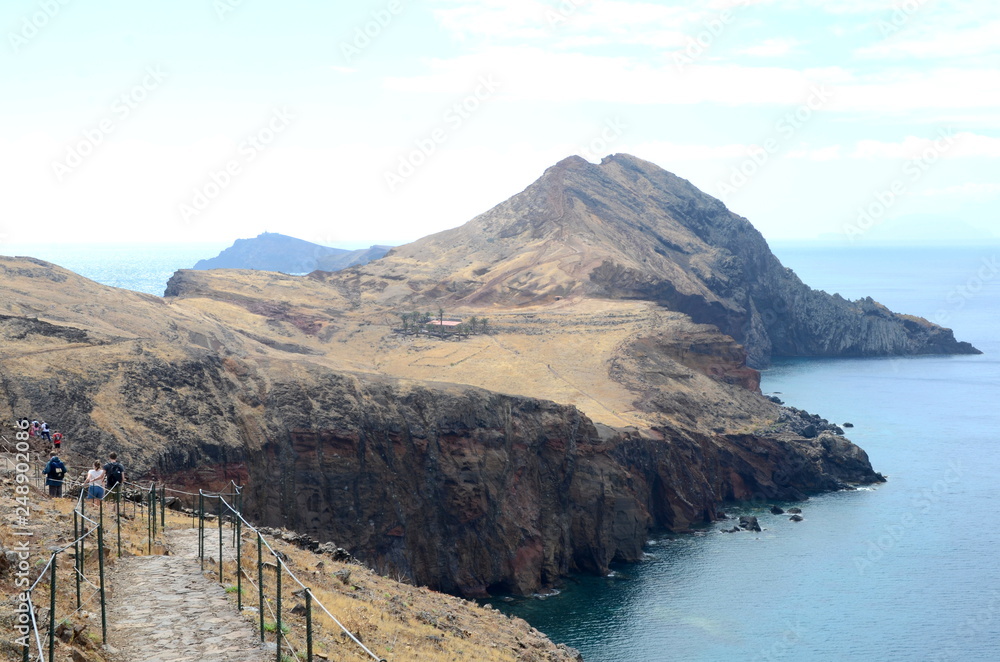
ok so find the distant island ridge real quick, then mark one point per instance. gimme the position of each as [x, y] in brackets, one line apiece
[271, 251]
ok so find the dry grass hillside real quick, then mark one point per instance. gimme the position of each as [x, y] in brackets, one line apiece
[577, 350]
[610, 358]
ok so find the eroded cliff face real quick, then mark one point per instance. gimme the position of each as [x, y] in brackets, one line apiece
[471, 491]
[460, 489]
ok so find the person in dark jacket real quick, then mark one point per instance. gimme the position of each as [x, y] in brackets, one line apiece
[115, 472]
[55, 471]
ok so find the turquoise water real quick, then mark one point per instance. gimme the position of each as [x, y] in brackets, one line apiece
[140, 267]
[904, 571]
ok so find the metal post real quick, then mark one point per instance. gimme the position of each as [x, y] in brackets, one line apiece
[260, 586]
[149, 523]
[118, 515]
[163, 508]
[239, 563]
[152, 508]
[220, 539]
[76, 561]
[83, 544]
[100, 560]
[309, 626]
[52, 611]
[277, 610]
[201, 529]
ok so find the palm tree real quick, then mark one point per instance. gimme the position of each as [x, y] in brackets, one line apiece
[473, 322]
[406, 321]
[482, 325]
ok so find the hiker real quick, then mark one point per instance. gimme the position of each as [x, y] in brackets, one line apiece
[115, 472]
[95, 481]
[33, 430]
[57, 439]
[55, 470]
[45, 432]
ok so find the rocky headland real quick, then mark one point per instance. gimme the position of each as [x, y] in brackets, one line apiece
[271, 251]
[612, 393]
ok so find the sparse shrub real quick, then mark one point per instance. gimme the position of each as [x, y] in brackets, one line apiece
[271, 626]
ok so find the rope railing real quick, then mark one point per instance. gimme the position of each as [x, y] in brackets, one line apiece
[149, 502]
[80, 573]
[85, 526]
[239, 521]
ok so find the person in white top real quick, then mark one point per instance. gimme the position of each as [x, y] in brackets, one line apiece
[95, 482]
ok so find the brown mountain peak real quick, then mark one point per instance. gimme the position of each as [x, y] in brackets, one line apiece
[628, 229]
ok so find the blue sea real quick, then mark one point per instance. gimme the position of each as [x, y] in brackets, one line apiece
[907, 570]
[140, 267]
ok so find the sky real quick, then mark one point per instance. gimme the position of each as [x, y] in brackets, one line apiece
[193, 121]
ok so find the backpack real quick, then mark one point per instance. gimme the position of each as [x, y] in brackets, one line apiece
[57, 470]
[114, 470]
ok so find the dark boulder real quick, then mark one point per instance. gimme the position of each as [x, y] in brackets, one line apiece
[749, 523]
[776, 511]
[794, 511]
[796, 518]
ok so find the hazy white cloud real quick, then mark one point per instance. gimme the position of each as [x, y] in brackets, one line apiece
[770, 48]
[534, 74]
[678, 152]
[933, 42]
[950, 144]
[855, 6]
[829, 153]
[578, 23]
[981, 190]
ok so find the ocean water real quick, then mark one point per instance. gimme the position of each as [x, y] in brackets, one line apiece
[139, 267]
[909, 570]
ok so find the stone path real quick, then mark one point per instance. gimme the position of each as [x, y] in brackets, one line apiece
[163, 609]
